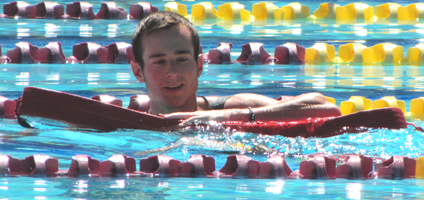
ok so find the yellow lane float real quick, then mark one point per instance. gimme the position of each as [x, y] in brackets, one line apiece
[292, 11]
[234, 10]
[419, 168]
[263, 10]
[359, 103]
[204, 10]
[331, 100]
[383, 53]
[320, 53]
[354, 11]
[411, 12]
[417, 108]
[176, 8]
[351, 52]
[355, 104]
[387, 10]
[326, 11]
[413, 56]
[389, 101]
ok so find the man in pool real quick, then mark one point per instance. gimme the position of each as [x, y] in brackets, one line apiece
[166, 50]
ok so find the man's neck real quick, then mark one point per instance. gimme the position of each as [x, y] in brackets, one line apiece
[160, 109]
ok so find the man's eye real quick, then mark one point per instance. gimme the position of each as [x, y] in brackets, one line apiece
[160, 62]
[182, 59]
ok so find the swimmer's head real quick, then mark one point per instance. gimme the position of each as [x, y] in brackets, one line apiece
[157, 21]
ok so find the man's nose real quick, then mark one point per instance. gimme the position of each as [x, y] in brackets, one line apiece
[172, 68]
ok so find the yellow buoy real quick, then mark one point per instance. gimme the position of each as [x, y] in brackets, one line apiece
[354, 11]
[387, 10]
[204, 10]
[326, 10]
[176, 8]
[414, 56]
[411, 12]
[320, 53]
[292, 11]
[419, 168]
[233, 10]
[355, 104]
[331, 100]
[383, 53]
[390, 101]
[351, 52]
[263, 10]
[417, 107]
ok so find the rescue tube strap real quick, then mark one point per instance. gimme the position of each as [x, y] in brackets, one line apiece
[252, 116]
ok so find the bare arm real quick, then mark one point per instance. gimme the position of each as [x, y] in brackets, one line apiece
[265, 109]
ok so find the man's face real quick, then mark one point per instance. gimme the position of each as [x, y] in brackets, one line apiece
[170, 71]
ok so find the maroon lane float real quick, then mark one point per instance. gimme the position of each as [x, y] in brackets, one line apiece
[254, 53]
[80, 10]
[220, 55]
[121, 53]
[202, 166]
[140, 10]
[109, 10]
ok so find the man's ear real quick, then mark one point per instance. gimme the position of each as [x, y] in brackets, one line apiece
[199, 65]
[138, 72]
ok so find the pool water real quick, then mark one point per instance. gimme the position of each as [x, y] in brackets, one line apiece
[335, 80]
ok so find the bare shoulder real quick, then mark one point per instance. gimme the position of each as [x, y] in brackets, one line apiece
[244, 100]
[313, 97]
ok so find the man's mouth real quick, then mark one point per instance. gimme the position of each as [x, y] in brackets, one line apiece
[174, 87]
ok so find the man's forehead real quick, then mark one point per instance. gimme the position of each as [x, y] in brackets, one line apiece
[182, 30]
[180, 27]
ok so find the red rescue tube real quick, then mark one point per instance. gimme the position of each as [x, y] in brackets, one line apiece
[84, 112]
[392, 118]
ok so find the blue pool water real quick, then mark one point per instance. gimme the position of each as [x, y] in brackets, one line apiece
[334, 80]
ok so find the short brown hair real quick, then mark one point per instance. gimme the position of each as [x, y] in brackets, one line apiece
[161, 20]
